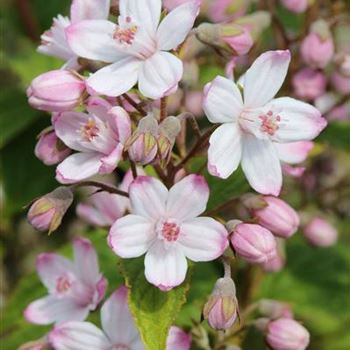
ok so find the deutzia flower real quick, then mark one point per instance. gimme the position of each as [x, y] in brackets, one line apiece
[137, 47]
[165, 226]
[251, 127]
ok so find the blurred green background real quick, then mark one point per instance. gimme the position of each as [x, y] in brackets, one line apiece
[315, 281]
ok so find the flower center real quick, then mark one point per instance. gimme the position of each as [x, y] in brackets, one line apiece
[89, 130]
[125, 32]
[269, 123]
[63, 284]
[170, 231]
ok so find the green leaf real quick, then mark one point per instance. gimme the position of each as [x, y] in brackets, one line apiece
[336, 135]
[154, 311]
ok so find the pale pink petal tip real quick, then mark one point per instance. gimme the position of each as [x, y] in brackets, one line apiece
[213, 170]
[101, 288]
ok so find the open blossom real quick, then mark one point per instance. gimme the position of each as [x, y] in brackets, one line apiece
[165, 226]
[251, 129]
[137, 47]
[98, 136]
[75, 287]
[54, 41]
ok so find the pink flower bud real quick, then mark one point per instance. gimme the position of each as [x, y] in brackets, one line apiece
[274, 309]
[277, 216]
[341, 83]
[224, 10]
[275, 264]
[168, 131]
[253, 243]
[50, 149]
[241, 43]
[56, 91]
[316, 51]
[287, 334]
[222, 307]
[320, 233]
[194, 103]
[47, 212]
[309, 84]
[296, 6]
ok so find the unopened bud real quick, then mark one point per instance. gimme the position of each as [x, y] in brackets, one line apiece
[47, 212]
[56, 91]
[168, 131]
[274, 309]
[221, 310]
[256, 23]
[309, 84]
[320, 233]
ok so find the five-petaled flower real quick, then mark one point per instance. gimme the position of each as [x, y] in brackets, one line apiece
[165, 226]
[137, 47]
[252, 128]
[75, 288]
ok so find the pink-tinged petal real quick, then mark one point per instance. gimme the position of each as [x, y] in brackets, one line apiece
[293, 171]
[115, 79]
[299, 121]
[165, 267]
[145, 13]
[131, 236]
[188, 198]
[78, 336]
[50, 309]
[93, 39]
[116, 318]
[222, 101]
[265, 77]
[85, 260]
[89, 9]
[176, 25]
[261, 165]
[159, 75]
[122, 123]
[203, 239]
[148, 197]
[178, 339]
[110, 162]
[77, 167]
[295, 152]
[225, 150]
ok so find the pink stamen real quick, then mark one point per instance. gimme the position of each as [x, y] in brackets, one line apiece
[63, 284]
[269, 123]
[89, 130]
[170, 231]
[125, 35]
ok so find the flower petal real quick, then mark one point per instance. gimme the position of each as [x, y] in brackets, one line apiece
[78, 336]
[178, 339]
[110, 162]
[77, 167]
[299, 120]
[265, 77]
[148, 197]
[176, 25]
[93, 39]
[131, 236]
[146, 13]
[50, 309]
[122, 123]
[222, 101]
[188, 198]
[89, 9]
[203, 239]
[50, 266]
[115, 79]
[165, 267]
[116, 318]
[159, 75]
[295, 152]
[225, 150]
[261, 165]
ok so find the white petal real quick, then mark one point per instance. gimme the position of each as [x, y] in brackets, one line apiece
[50, 266]
[265, 77]
[261, 165]
[188, 198]
[176, 25]
[159, 75]
[131, 236]
[89, 9]
[203, 239]
[222, 101]
[78, 336]
[51, 309]
[148, 197]
[85, 260]
[299, 120]
[165, 267]
[93, 39]
[225, 150]
[116, 318]
[77, 167]
[178, 339]
[115, 79]
[295, 152]
[146, 13]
